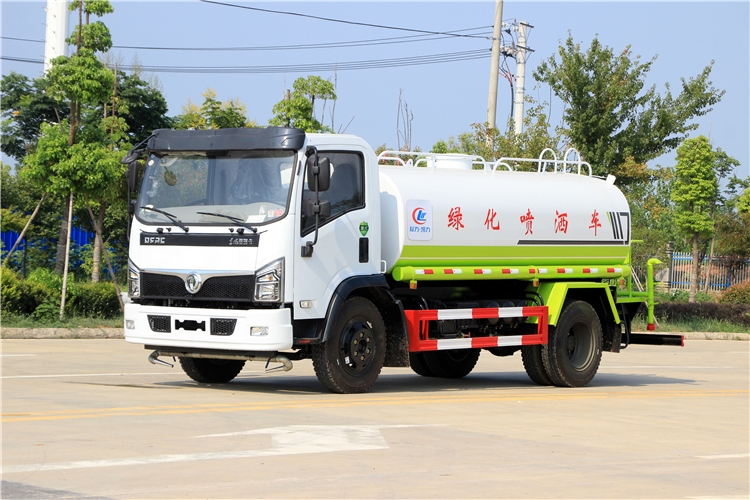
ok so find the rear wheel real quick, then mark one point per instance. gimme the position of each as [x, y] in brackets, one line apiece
[572, 356]
[452, 363]
[351, 359]
[211, 371]
[419, 365]
[532, 362]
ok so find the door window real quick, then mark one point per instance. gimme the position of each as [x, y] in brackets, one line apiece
[346, 192]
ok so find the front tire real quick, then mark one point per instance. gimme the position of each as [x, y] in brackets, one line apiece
[351, 359]
[533, 364]
[212, 371]
[574, 350]
[452, 363]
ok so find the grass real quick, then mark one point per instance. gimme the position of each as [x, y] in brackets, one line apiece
[695, 325]
[18, 321]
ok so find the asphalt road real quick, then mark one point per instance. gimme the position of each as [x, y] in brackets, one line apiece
[93, 419]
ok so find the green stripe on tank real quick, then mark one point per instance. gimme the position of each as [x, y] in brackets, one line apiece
[530, 255]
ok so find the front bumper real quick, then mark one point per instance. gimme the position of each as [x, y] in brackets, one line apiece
[183, 332]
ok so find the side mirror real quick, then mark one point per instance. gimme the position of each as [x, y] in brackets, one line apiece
[132, 175]
[322, 171]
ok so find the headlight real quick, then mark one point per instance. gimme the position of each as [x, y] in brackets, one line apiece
[134, 281]
[269, 282]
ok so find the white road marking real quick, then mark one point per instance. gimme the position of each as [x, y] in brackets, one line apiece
[89, 375]
[291, 440]
[15, 355]
[673, 367]
[736, 455]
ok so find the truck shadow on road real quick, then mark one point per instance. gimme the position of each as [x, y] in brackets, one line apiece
[390, 383]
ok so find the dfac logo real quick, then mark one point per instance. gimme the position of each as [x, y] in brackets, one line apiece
[153, 240]
[419, 220]
[419, 216]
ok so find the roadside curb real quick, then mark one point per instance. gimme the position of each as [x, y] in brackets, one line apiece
[117, 333]
[62, 333]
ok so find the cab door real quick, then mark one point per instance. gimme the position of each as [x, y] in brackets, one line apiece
[344, 247]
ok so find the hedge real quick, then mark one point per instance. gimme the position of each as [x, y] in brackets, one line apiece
[737, 294]
[680, 311]
[39, 296]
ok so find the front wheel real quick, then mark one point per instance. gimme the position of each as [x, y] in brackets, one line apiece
[574, 350]
[351, 359]
[211, 371]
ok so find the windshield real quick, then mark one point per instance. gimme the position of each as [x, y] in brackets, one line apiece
[249, 186]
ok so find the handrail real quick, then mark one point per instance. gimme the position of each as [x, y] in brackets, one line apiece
[559, 166]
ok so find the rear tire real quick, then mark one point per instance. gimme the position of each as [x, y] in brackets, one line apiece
[572, 356]
[532, 362]
[452, 363]
[419, 365]
[212, 371]
[351, 359]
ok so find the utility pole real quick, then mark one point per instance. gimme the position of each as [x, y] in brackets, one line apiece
[57, 30]
[495, 64]
[520, 77]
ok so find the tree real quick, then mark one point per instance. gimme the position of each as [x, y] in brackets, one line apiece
[297, 109]
[609, 117]
[213, 114]
[25, 106]
[695, 188]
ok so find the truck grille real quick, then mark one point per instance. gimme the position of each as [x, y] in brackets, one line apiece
[163, 286]
[222, 326]
[161, 324]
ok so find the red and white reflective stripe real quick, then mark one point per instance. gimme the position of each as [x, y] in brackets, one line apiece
[482, 342]
[510, 271]
[423, 271]
[452, 271]
[500, 312]
[482, 271]
[565, 270]
[542, 270]
[590, 270]
[614, 269]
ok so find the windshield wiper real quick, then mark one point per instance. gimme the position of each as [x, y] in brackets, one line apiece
[237, 220]
[171, 217]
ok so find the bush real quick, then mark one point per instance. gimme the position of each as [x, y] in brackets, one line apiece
[94, 300]
[39, 296]
[24, 296]
[681, 296]
[738, 314]
[737, 294]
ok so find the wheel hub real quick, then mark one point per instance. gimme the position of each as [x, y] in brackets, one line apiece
[357, 347]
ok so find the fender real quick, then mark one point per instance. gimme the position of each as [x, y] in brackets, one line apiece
[344, 290]
[555, 293]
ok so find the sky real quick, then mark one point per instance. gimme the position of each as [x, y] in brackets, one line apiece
[444, 98]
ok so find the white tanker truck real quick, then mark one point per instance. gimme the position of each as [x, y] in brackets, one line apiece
[274, 245]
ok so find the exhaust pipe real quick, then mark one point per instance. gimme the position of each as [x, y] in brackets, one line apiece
[154, 359]
[286, 364]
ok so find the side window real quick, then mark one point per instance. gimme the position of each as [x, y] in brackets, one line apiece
[346, 192]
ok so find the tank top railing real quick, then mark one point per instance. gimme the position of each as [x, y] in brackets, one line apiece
[458, 161]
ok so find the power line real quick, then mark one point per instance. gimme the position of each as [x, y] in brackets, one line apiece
[355, 23]
[301, 68]
[341, 44]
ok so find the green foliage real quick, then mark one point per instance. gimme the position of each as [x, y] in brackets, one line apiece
[213, 114]
[681, 296]
[299, 110]
[145, 106]
[609, 116]
[25, 106]
[80, 78]
[737, 294]
[491, 144]
[695, 187]
[39, 296]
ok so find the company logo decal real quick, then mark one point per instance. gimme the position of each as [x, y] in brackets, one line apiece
[419, 220]
[419, 216]
[364, 227]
